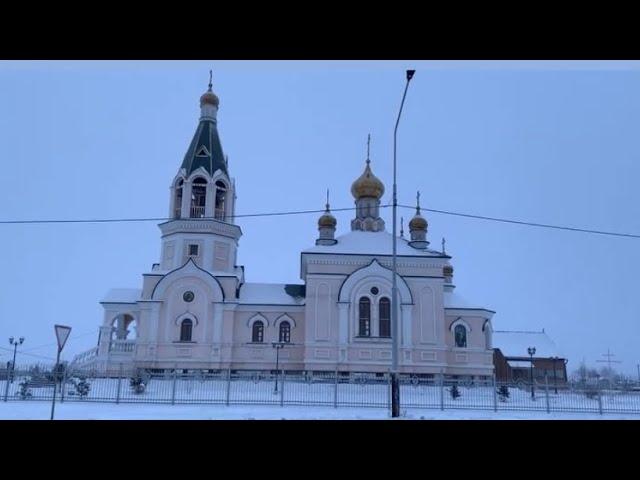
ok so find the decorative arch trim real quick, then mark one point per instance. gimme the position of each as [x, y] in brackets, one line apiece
[459, 321]
[199, 172]
[189, 266]
[282, 318]
[487, 323]
[115, 317]
[257, 317]
[374, 268]
[186, 316]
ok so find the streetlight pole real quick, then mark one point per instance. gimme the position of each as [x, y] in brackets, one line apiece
[395, 386]
[15, 344]
[531, 351]
[555, 382]
[277, 346]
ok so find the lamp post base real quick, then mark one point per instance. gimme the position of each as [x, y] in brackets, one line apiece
[395, 395]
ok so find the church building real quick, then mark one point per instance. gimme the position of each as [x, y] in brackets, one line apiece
[195, 311]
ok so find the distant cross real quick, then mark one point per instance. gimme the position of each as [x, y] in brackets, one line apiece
[608, 361]
[210, 79]
[418, 202]
[402, 227]
[368, 147]
[443, 242]
[327, 199]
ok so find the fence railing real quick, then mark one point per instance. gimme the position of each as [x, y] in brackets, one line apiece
[330, 389]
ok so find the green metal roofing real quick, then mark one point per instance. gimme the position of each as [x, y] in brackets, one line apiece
[212, 158]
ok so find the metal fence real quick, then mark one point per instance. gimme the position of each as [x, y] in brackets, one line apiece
[328, 389]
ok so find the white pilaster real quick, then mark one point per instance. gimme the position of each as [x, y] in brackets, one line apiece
[406, 325]
[343, 323]
[186, 200]
[218, 312]
[210, 200]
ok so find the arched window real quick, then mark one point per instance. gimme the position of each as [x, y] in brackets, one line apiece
[177, 206]
[364, 317]
[285, 332]
[460, 334]
[198, 197]
[221, 193]
[257, 332]
[385, 317]
[186, 329]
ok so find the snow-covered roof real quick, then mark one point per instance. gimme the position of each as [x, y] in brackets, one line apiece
[122, 295]
[267, 294]
[372, 243]
[453, 300]
[515, 344]
[519, 364]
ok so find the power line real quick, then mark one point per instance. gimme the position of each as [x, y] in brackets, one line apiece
[55, 343]
[529, 224]
[164, 219]
[302, 212]
[29, 354]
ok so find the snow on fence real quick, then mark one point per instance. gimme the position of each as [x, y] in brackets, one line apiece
[328, 389]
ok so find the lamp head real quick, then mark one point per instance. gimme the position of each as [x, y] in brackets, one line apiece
[21, 340]
[410, 74]
[10, 340]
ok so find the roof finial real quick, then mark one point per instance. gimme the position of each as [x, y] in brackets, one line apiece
[401, 227]
[368, 147]
[443, 242]
[210, 80]
[327, 200]
[418, 203]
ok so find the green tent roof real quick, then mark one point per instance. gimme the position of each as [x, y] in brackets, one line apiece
[205, 150]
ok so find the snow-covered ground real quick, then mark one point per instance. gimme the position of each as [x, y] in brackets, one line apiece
[41, 410]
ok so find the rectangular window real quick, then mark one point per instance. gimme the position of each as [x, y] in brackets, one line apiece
[193, 250]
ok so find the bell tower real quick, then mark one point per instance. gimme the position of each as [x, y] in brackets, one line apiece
[202, 201]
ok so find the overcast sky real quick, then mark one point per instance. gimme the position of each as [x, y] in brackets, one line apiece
[547, 142]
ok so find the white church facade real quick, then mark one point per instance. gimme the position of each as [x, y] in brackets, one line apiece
[195, 310]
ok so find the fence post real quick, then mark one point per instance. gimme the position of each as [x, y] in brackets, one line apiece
[64, 383]
[119, 384]
[227, 393]
[599, 401]
[441, 390]
[546, 392]
[390, 390]
[6, 386]
[495, 393]
[335, 390]
[173, 387]
[282, 388]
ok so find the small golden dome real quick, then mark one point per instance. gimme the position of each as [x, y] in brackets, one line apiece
[367, 185]
[209, 98]
[418, 223]
[327, 220]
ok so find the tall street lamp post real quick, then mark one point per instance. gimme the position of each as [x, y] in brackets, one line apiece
[15, 344]
[277, 346]
[531, 351]
[395, 385]
[62, 333]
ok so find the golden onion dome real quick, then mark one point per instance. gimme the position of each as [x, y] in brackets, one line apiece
[327, 220]
[209, 98]
[367, 185]
[418, 222]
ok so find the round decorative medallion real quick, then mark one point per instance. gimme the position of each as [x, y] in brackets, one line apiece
[374, 290]
[188, 296]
